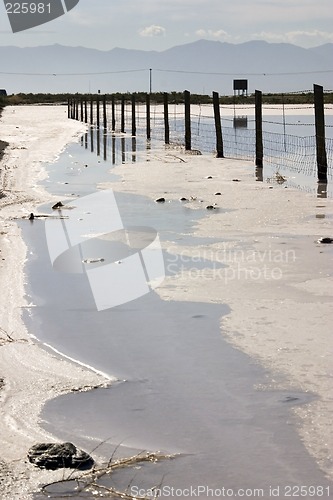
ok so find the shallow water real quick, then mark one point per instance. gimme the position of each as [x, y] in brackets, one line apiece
[181, 387]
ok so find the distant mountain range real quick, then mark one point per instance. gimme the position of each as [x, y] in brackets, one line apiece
[200, 67]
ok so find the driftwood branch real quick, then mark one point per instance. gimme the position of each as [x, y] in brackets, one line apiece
[88, 482]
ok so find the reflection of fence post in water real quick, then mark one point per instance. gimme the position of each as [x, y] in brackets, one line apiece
[91, 139]
[133, 116]
[320, 132]
[113, 115]
[218, 126]
[259, 144]
[105, 122]
[133, 149]
[105, 143]
[86, 140]
[113, 149]
[166, 119]
[187, 97]
[259, 174]
[122, 128]
[322, 190]
[85, 111]
[98, 142]
[91, 111]
[123, 150]
[148, 116]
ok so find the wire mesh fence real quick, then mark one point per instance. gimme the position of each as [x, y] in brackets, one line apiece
[294, 152]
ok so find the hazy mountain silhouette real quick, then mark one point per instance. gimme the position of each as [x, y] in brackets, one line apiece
[268, 67]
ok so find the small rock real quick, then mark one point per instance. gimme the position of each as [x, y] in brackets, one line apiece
[183, 199]
[235, 180]
[217, 194]
[160, 200]
[57, 205]
[208, 177]
[211, 207]
[59, 455]
[325, 240]
[31, 216]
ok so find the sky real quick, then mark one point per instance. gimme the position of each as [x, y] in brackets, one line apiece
[161, 24]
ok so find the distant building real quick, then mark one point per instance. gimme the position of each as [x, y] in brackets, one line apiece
[3, 92]
[240, 86]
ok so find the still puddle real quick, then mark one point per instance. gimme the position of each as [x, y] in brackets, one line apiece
[181, 387]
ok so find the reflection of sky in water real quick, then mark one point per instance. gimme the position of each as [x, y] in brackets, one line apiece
[291, 154]
[289, 140]
[187, 390]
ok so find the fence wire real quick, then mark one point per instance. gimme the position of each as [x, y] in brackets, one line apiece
[283, 151]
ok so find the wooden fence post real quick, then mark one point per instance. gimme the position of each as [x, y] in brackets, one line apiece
[218, 126]
[105, 121]
[68, 108]
[122, 129]
[133, 116]
[113, 115]
[320, 133]
[77, 109]
[81, 110]
[148, 117]
[91, 110]
[259, 142]
[187, 98]
[166, 119]
[97, 111]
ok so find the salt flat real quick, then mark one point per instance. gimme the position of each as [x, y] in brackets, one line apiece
[277, 279]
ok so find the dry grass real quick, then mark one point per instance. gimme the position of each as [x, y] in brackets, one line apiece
[86, 483]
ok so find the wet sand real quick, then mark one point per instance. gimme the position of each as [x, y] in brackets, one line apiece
[36, 135]
[278, 280]
[280, 300]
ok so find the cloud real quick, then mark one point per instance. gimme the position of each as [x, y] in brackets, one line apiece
[217, 34]
[153, 30]
[296, 37]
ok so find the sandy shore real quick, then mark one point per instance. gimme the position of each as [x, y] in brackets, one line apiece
[36, 135]
[276, 281]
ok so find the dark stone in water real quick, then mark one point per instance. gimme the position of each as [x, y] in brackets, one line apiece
[59, 455]
[290, 399]
[325, 240]
[217, 194]
[183, 199]
[31, 216]
[235, 180]
[57, 205]
[160, 200]
[210, 207]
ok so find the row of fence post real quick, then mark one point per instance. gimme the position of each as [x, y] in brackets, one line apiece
[75, 104]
